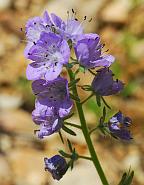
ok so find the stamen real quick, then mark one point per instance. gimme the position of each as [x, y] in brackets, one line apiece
[73, 11]
[90, 20]
[85, 17]
[35, 131]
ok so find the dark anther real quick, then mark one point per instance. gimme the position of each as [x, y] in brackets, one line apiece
[34, 23]
[51, 96]
[35, 131]
[73, 10]
[55, 63]
[103, 45]
[47, 25]
[34, 43]
[29, 54]
[90, 20]
[46, 55]
[21, 29]
[107, 50]
[85, 17]
[117, 80]
[76, 19]
[45, 42]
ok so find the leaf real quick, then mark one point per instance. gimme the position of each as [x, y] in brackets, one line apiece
[86, 87]
[61, 137]
[98, 100]
[123, 179]
[105, 103]
[130, 178]
[74, 97]
[69, 116]
[69, 131]
[73, 82]
[127, 178]
[102, 119]
[69, 145]
[64, 154]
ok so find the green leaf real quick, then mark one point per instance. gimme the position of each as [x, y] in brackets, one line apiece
[69, 145]
[98, 100]
[86, 87]
[127, 178]
[105, 103]
[61, 137]
[64, 154]
[73, 82]
[130, 178]
[69, 131]
[74, 97]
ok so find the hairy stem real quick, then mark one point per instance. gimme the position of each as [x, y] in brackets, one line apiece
[86, 133]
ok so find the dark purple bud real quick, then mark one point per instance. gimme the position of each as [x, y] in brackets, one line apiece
[57, 166]
[119, 126]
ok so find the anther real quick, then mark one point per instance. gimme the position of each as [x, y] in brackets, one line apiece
[34, 43]
[85, 18]
[73, 10]
[90, 20]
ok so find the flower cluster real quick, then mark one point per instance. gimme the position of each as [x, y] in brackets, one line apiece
[50, 40]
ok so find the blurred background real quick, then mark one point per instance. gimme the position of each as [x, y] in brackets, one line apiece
[120, 24]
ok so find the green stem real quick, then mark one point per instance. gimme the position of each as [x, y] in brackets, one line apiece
[86, 134]
[84, 157]
[87, 98]
[73, 125]
[91, 131]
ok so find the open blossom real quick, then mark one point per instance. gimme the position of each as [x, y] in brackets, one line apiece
[88, 51]
[34, 27]
[119, 126]
[53, 94]
[70, 29]
[104, 85]
[48, 119]
[56, 165]
[49, 54]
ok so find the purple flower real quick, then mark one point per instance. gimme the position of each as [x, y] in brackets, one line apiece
[71, 29]
[34, 27]
[88, 51]
[118, 126]
[57, 166]
[53, 94]
[50, 53]
[48, 119]
[104, 85]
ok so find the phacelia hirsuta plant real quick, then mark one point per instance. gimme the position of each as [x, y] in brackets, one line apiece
[50, 42]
